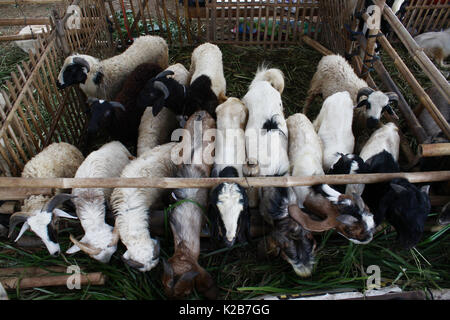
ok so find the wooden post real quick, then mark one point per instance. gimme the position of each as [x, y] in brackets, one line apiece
[24, 21]
[416, 52]
[434, 150]
[170, 183]
[374, 29]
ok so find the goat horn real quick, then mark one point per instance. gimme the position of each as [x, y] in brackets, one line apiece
[17, 218]
[115, 238]
[359, 201]
[393, 97]
[57, 200]
[132, 263]
[164, 73]
[116, 104]
[362, 103]
[85, 247]
[161, 86]
[366, 91]
[306, 222]
[82, 62]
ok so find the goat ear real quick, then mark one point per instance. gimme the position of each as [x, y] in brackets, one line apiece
[347, 219]
[425, 189]
[157, 106]
[398, 188]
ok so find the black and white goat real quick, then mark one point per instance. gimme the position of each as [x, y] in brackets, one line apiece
[401, 203]
[228, 202]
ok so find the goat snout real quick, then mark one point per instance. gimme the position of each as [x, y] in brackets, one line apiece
[60, 86]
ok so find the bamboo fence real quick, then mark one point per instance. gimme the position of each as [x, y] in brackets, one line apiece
[37, 114]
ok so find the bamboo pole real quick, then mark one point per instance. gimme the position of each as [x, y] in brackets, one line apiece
[170, 183]
[434, 150]
[418, 90]
[417, 53]
[96, 278]
[316, 45]
[31, 271]
[16, 37]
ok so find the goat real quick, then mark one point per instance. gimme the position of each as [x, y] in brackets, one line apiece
[334, 74]
[436, 45]
[228, 202]
[99, 240]
[131, 206]
[182, 273]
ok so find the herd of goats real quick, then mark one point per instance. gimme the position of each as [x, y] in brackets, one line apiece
[140, 102]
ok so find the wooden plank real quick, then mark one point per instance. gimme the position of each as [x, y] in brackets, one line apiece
[23, 21]
[20, 193]
[169, 183]
[434, 150]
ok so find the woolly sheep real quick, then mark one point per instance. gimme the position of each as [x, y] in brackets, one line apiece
[103, 79]
[122, 116]
[131, 206]
[334, 74]
[98, 241]
[58, 160]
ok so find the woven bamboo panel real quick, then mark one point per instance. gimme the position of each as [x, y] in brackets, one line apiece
[427, 15]
[35, 112]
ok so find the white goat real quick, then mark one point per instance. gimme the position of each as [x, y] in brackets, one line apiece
[98, 240]
[266, 131]
[305, 152]
[436, 45]
[334, 127]
[131, 207]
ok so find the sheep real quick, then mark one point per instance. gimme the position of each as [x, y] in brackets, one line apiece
[99, 240]
[121, 117]
[168, 89]
[334, 127]
[103, 79]
[208, 85]
[182, 273]
[228, 202]
[131, 205]
[58, 160]
[29, 44]
[334, 74]
[436, 45]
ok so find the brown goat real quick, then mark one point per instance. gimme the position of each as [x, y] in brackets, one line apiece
[182, 273]
[357, 225]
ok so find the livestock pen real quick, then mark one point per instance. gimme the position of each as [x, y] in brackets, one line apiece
[290, 35]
